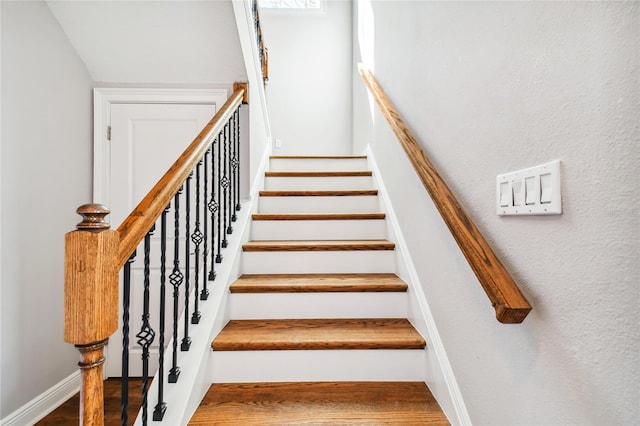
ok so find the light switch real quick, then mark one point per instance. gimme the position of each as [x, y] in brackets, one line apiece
[530, 191]
[505, 194]
[545, 188]
[518, 192]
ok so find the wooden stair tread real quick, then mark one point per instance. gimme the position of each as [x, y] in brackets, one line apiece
[318, 216]
[316, 157]
[319, 245]
[319, 173]
[316, 283]
[397, 403]
[318, 334]
[322, 193]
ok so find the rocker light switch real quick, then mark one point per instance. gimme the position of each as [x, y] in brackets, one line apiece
[531, 191]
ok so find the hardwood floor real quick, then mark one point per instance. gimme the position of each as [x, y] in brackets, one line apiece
[67, 413]
[328, 403]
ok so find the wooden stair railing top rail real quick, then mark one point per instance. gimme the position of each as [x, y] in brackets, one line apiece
[507, 299]
[137, 224]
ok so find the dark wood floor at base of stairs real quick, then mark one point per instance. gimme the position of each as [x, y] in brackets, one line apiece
[321, 403]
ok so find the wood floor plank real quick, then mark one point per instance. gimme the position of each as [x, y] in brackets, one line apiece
[316, 283]
[320, 245]
[318, 334]
[318, 216]
[334, 403]
[319, 173]
[328, 193]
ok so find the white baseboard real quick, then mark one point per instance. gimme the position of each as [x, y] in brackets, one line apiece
[46, 402]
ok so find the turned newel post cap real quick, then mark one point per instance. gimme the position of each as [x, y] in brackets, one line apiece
[93, 217]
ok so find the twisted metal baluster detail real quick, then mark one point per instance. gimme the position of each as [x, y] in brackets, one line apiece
[237, 162]
[220, 143]
[186, 340]
[176, 279]
[213, 208]
[196, 238]
[224, 181]
[233, 162]
[204, 293]
[146, 334]
[126, 302]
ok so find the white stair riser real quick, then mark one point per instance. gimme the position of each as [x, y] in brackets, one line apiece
[318, 164]
[276, 183]
[318, 262]
[317, 305]
[318, 365]
[318, 230]
[340, 204]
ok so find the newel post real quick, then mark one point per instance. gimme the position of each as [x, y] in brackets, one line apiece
[91, 302]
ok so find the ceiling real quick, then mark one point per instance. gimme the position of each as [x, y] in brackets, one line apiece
[180, 41]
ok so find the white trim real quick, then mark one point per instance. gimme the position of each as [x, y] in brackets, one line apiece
[460, 416]
[102, 100]
[46, 402]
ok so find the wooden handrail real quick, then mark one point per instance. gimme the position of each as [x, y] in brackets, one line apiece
[137, 224]
[507, 299]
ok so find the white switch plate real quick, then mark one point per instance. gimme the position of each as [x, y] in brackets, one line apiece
[532, 191]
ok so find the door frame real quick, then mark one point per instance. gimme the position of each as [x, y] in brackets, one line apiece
[104, 97]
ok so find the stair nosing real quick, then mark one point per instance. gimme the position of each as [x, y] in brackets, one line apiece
[310, 334]
[318, 157]
[318, 245]
[320, 193]
[318, 173]
[318, 216]
[318, 283]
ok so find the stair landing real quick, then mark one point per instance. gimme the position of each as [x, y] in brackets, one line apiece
[334, 403]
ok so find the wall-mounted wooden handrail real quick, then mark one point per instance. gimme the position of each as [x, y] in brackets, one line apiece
[137, 224]
[507, 299]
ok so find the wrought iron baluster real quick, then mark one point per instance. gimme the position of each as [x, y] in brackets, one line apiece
[126, 302]
[233, 193]
[161, 406]
[225, 185]
[204, 293]
[176, 279]
[213, 208]
[146, 334]
[220, 200]
[196, 239]
[237, 165]
[186, 340]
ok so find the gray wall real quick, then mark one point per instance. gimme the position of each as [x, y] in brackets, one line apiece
[46, 174]
[491, 87]
[309, 91]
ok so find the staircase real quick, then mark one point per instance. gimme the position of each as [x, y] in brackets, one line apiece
[318, 330]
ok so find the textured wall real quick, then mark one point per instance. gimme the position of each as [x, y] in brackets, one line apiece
[309, 91]
[46, 174]
[492, 87]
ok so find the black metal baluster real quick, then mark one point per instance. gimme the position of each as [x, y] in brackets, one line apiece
[204, 293]
[213, 208]
[176, 279]
[186, 340]
[126, 302]
[146, 334]
[233, 191]
[225, 184]
[236, 166]
[161, 406]
[220, 201]
[196, 239]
